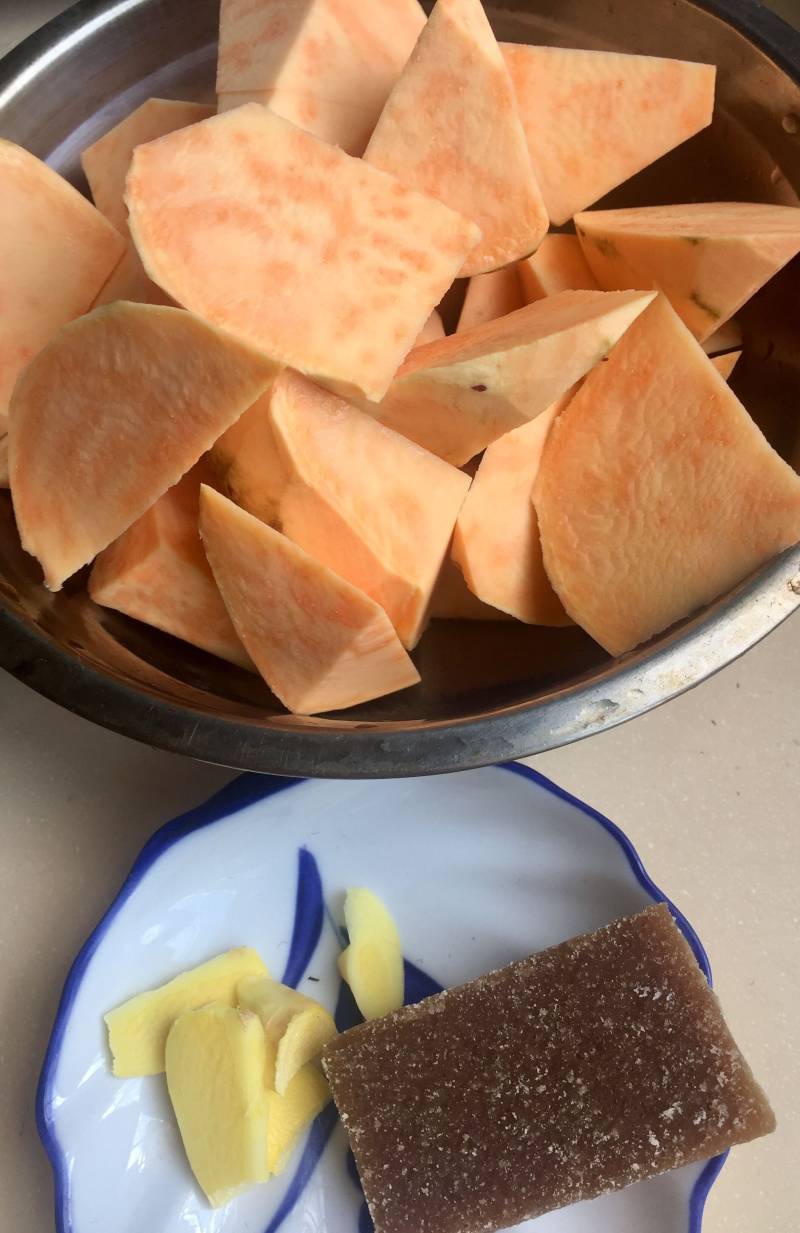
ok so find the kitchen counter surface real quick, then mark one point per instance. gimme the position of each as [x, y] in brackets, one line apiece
[708, 788]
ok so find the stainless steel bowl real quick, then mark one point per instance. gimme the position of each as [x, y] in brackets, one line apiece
[489, 691]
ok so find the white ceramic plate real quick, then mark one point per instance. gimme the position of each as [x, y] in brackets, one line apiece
[479, 869]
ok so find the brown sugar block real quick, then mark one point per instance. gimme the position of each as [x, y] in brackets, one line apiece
[597, 1063]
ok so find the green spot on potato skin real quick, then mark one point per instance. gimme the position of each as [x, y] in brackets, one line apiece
[606, 247]
[713, 313]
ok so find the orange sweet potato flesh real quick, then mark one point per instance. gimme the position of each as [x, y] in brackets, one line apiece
[130, 282]
[595, 118]
[454, 397]
[451, 129]
[453, 601]
[247, 463]
[322, 262]
[326, 65]
[110, 415]
[364, 501]
[56, 251]
[557, 265]
[320, 643]
[107, 160]
[496, 541]
[490, 296]
[656, 491]
[158, 573]
[708, 258]
[431, 330]
[726, 363]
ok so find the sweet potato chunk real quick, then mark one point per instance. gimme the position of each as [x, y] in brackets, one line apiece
[456, 396]
[247, 463]
[727, 338]
[490, 296]
[557, 265]
[158, 573]
[595, 118]
[431, 330]
[56, 251]
[708, 259]
[496, 540]
[319, 643]
[324, 263]
[656, 491]
[363, 500]
[325, 65]
[451, 129]
[130, 282]
[726, 363]
[107, 160]
[110, 415]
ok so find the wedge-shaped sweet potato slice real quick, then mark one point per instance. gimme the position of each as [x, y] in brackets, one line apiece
[431, 330]
[656, 491]
[363, 500]
[158, 573]
[595, 118]
[557, 265]
[130, 282]
[726, 363]
[56, 251]
[708, 259]
[727, 338]
[323, 262]
[451, 129]
[247, 463]
[490, 296]
[325, 65]
[456, 396]
[496, 541]
[110, 415]
[320, 643]
[453, 601]
[107, 160]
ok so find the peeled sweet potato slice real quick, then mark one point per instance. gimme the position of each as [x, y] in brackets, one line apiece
[56, 251]
[325, 65]
[656, 491]
[490, 296]
[107, 160]
[110, 415]
[247, 462]
[726, 363]
[595, 118]
[320, 643]
[557, 265]
[496, 541]
[456, 396]
[431, 330]
[157, 572]
[707, 258]
[727, 338]
[363, 500]
[321, 261]
[130, 282]
[453, 601]
[451, 129]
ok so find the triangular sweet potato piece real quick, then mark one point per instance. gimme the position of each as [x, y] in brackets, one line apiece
[157, 572]
[363, 500]
[451, 129]
[247, 463]
[110, 415]
[130, 282]
[325, 65]
[452, 599]
[431, 330]
[496, 540]
[595, 118]
[106, 162]
[320, 643]
[708, 259]
[456, 396]
[56, 251]
[321, 261]
[726, 363]
[557, 265]
[727, 338]
[656, 491]
[490, 296]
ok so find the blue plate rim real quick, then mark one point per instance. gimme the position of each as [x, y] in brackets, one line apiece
[247, 789]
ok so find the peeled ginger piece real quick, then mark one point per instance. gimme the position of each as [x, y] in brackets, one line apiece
[295, 1025]
[372, 965]
[138, 1030]
[215, 1059]
[289, 1115]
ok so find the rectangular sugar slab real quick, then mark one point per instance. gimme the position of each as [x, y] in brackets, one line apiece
[594, 1064]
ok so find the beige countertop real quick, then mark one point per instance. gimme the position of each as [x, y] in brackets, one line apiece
[708, 788]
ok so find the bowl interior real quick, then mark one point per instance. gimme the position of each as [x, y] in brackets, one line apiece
[104, 60]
